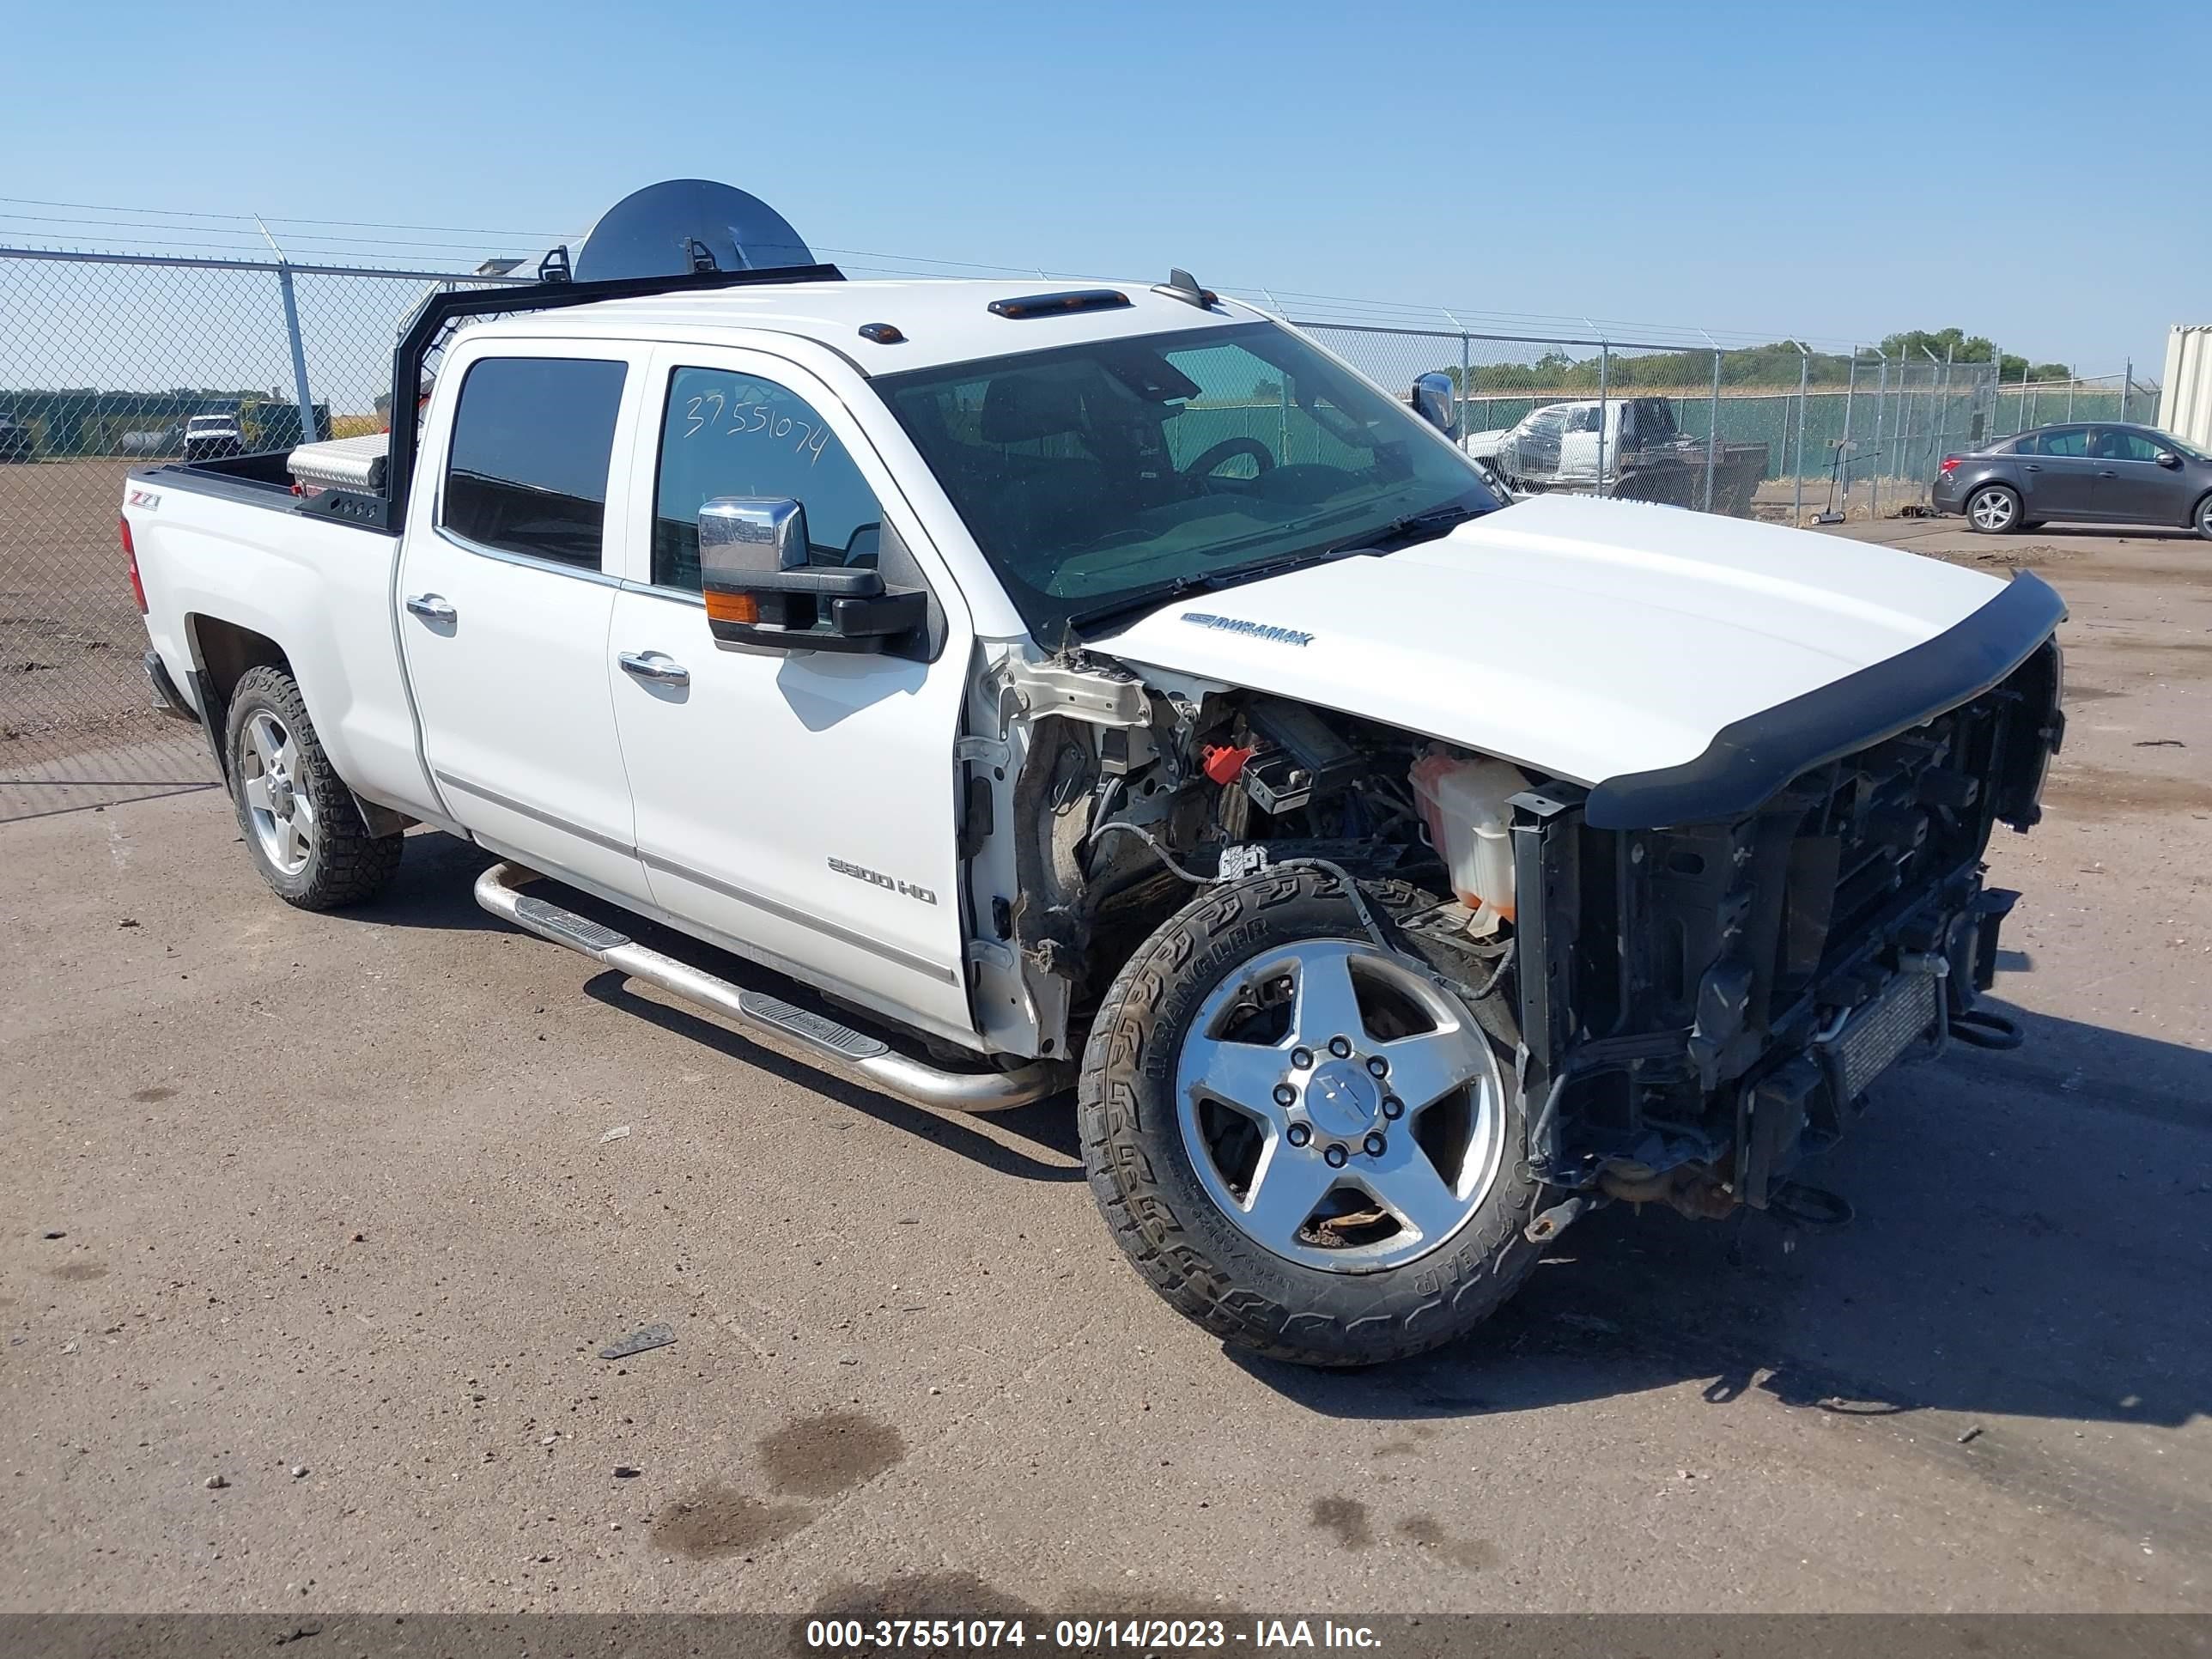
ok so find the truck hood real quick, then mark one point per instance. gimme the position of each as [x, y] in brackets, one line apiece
[1582, 638]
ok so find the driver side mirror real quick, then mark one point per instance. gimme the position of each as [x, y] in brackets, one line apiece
[760, 587]
[2169, 460]
[1435, 400]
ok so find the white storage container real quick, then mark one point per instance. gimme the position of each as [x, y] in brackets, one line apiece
[1464, 804]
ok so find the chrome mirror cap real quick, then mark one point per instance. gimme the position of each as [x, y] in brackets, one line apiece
[742, 536]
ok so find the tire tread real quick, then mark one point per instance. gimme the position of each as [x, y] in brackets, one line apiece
[349, 867]
[1142, 1218]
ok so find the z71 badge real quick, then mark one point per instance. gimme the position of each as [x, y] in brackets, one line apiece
[149, 499]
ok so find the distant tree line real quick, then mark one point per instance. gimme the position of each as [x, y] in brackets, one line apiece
[1777, 364]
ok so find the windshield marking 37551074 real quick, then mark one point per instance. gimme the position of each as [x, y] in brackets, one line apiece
[1099, 477]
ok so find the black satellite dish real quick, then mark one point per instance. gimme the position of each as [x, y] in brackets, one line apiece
[684, 225]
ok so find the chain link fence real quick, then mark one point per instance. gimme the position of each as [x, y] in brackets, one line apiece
[109, 362]
[1779, 432]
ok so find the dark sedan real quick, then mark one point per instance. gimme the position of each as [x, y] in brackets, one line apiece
[2099, 472]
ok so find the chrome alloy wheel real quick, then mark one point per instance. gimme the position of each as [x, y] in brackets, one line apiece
[1344, 1112]
[275, 789]
[1992, 509]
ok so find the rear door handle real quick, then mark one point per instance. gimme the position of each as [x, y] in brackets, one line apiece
[2107, 472]
[652, 666]
[431, 607]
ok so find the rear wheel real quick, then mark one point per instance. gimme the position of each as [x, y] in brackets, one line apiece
[1994, 509]
[1304, 1142]
[301, 825]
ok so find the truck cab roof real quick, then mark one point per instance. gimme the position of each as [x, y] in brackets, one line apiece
[941, 321]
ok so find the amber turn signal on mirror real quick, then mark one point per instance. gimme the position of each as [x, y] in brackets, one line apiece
[732, 607]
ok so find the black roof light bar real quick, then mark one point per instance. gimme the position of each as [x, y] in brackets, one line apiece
[1060, 304]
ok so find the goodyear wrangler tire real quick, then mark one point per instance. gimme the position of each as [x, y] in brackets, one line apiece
[1305, 1144]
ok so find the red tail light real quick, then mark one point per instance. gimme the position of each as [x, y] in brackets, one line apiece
[1950, 464]
[131, 559]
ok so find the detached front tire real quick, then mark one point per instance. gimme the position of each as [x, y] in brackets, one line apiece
[1304, 1142]
[302, 828]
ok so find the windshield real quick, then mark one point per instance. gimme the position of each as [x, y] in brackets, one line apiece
[1095, 476]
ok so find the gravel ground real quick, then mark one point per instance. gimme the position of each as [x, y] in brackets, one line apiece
[315, 1230]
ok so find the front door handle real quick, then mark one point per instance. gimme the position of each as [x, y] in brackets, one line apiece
[431, 607]
[2031, 467]
[652, 666]
[2107, 472]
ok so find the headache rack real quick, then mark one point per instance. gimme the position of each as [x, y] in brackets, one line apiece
[386, 509]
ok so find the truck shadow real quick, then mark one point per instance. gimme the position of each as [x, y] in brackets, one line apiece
[1049, 1124]
[2030, 1241]
[433, 890]
[433, 887]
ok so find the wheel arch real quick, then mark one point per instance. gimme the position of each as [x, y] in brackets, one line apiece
[222, 652]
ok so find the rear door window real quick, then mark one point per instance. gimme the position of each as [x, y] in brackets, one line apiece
[2065, 440]
[527, 470]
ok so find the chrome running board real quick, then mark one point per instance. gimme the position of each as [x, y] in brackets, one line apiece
[769, 1021]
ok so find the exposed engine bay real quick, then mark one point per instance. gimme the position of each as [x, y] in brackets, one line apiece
[1687, 1010]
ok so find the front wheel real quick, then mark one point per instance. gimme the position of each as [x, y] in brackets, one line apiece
[302, 829]
[1993, 509]
[2203, 519]
[1303, 1141]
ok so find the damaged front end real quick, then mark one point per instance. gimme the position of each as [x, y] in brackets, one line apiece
[1706, 967]
[1706, 999]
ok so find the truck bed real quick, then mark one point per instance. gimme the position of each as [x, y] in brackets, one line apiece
[229, 557]
[262, 480]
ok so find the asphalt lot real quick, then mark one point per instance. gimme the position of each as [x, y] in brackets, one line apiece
[322, 1208]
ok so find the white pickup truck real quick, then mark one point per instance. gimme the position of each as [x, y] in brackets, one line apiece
[1630, 446]
[1392, 875]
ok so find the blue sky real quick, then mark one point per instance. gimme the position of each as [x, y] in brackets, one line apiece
[2034, 172]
